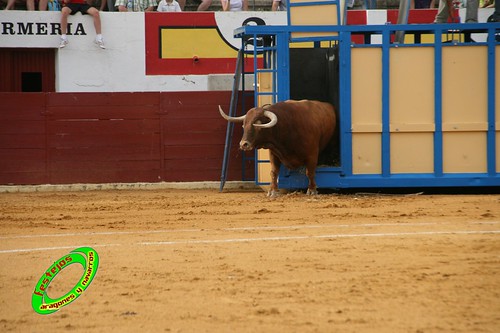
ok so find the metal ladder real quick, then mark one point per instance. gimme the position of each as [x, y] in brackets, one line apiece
[261, 49]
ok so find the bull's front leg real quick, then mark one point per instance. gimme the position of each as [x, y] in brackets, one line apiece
[275, 170]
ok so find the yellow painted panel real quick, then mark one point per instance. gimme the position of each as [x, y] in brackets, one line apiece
[366, 128]
[265, 84]
[497, 86]
[465, 84]
[464, 152]
[429, 38]
[366, 87]
[412, 85]
[424, 38]
[498, 147]
[264, 169]
[497, 105]
[314, 15]
[366, 153]
[265, 81]
[319, 14]
[303, 15]
[325, 15]
[186, 43]
[418, 159]
[448, 127]
[412, 127]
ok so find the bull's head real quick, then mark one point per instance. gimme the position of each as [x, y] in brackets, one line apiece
[254, 121]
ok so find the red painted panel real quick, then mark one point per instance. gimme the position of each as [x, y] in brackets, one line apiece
[356, 17]
[115, 137]
[100, 126]
[193, 152]
[23, 178]
[6, 70]
[197, 104]
[20, 141]
[102, 112]
[24, 154]
[22, 165]
[422, 16]
[186, 146]
[414, 16]
[202, 67]
[146, 141]
[209, 125]
[117, 153]
[22, 106]
[103, 99]
[103, 105]
[25, 127]
[156, 65]
[153, 21]
[102, 174]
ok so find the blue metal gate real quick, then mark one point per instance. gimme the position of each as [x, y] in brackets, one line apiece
[452, 141]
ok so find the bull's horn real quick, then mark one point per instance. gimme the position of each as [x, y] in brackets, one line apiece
[270, 124]
[231, 119]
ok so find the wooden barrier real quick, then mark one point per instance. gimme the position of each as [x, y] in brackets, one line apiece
[64, 138]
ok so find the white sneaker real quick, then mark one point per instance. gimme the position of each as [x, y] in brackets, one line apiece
[63, 43]
[100, 42]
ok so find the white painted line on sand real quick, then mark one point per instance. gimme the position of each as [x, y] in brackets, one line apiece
[305, 226]
[275, 238]
[285, 238]
[54, 248]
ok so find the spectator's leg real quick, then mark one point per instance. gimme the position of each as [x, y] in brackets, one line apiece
[65, 11]
[42, 5]
[30, 4]
[443, 11]
[204, 5]
[97, 19]
[11, 4]
[471, 11]
[111, 5]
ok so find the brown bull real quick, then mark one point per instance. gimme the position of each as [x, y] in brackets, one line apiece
[295, 132]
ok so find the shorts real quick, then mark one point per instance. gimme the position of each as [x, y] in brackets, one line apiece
[78, 7]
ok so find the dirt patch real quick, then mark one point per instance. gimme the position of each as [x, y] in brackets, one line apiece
[203, 261]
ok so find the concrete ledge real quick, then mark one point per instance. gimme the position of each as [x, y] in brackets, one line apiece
[232, 185]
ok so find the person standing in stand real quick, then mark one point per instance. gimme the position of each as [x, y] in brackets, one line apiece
[71, 7]
[495, 17]
[169, 6]
[446, 10]
[278, 6]
[135, 5]
[234, 5]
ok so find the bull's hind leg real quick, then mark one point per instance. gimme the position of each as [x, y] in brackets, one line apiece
[275, 170]
[311, 174]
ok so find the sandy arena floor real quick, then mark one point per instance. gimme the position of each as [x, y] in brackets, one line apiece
[204, 261]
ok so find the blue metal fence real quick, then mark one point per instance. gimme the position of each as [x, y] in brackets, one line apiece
[342, 176]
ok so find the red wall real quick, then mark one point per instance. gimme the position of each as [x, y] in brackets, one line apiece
[64, 138]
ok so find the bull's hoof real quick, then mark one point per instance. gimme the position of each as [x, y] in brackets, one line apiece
[312, 191]
[272, 193]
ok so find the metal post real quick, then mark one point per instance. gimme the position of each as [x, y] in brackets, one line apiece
[404, 10]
